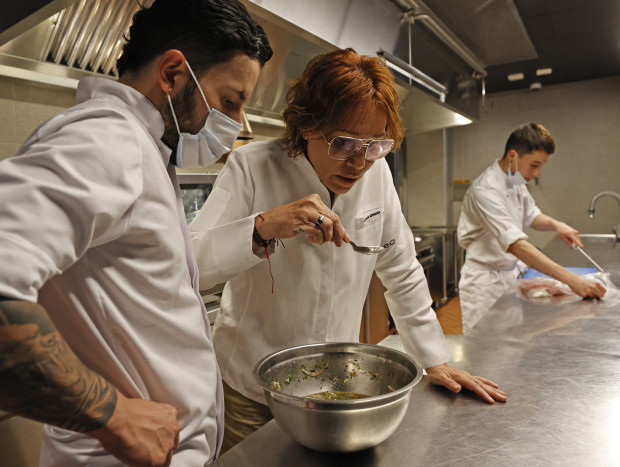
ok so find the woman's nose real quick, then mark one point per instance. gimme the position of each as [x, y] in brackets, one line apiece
[359, 159]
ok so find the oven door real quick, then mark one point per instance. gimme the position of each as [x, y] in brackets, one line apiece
[195, 188]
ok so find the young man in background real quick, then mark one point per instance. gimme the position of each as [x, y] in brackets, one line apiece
[495, 208]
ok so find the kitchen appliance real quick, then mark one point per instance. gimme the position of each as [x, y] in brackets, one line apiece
[385, 375]
[424, 252]
[195, 187]
[439, 253]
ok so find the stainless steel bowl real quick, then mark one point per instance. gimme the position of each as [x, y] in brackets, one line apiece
[385, 375]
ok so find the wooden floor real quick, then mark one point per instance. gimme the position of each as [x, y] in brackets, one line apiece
[449, 317]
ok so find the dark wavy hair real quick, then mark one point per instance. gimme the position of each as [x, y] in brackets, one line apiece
[530, 137]
[329, 91]
[208, 32]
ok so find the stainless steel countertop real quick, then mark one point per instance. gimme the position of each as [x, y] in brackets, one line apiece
[559, 364]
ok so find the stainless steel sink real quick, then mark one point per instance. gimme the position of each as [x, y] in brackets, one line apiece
[598, 238]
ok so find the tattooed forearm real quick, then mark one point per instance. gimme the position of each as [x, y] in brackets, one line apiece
[41, 377]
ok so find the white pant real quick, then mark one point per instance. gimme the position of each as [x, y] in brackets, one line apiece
[479, 289]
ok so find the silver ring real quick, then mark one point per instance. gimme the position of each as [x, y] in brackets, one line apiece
[296, 230]
[320, 219]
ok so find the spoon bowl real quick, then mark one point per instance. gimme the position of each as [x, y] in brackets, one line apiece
[366, 250]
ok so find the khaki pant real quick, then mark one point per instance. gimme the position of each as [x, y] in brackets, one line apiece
[242, 417]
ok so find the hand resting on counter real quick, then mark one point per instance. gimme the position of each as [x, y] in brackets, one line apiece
[455, 379]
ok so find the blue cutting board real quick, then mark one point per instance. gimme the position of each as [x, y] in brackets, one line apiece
[533, 273]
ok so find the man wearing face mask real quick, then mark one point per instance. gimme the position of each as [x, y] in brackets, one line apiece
[496, 207]
[104, 334]
[214, 139]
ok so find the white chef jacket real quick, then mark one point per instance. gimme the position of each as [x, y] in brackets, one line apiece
[493, 214]
[92, 226]
[319, 290]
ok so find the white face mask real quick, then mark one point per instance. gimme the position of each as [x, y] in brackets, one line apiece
[516, 178]
[214, 140]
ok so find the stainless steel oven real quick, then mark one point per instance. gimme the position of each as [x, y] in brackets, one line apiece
[195, 187]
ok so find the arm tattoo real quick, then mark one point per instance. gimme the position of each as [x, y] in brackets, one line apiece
[40, 376]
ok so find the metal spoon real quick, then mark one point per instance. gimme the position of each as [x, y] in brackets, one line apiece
[366, 250]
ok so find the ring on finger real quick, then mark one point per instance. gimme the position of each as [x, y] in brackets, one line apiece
[320, 219]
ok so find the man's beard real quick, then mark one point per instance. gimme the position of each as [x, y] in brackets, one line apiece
[184, 105]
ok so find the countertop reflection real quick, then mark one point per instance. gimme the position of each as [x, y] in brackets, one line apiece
[559, 364]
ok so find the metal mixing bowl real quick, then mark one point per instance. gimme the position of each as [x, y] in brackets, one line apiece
[385, 375]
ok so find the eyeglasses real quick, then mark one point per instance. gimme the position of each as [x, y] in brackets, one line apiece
[345, 147]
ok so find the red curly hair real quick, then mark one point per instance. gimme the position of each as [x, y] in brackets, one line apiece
[331, 88]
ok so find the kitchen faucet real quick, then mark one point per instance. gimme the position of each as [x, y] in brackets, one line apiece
[591, 210]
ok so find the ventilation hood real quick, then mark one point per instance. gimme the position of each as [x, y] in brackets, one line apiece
[58, 42]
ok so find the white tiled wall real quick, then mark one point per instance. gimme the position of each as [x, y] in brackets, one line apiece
[20, 442]
[425, 179]
[24, 106]
[584, 119]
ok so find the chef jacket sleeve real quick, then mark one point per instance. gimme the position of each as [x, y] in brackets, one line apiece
[492, 212]
[70, 183]
[221, 233]
[407, 294]
[530, 211]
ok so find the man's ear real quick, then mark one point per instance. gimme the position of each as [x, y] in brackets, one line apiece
[171, 71]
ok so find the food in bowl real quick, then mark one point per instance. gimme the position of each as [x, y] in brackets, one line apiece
[336, 396]
[333, 420]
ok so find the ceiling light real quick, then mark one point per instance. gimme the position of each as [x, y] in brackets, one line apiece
[461, 119]
[515, 76]
[543, 71]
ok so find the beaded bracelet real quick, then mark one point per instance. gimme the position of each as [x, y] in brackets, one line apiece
[260, 241]
[267, 245]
